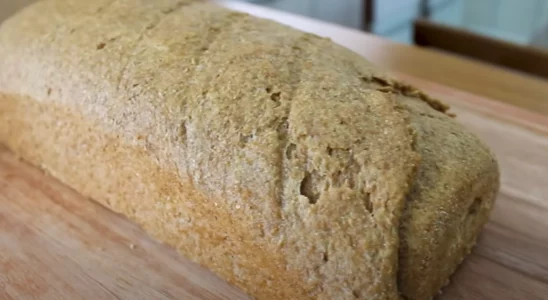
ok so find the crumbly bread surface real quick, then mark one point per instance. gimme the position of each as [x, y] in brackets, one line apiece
[284, 163]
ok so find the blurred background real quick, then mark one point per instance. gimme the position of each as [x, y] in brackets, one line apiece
[508, 33]
[518, 21]
[524, 22]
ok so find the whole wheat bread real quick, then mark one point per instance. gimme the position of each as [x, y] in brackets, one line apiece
[286, 164]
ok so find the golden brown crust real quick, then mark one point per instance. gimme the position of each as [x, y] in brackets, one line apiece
[298, 152]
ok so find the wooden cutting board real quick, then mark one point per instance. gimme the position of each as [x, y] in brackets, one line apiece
[54, 244]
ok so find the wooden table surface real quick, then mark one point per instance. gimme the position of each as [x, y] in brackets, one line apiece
[54, 244]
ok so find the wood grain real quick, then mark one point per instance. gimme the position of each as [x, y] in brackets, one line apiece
[54, 244]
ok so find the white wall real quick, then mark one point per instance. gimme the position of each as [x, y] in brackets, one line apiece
[347, 13]
[394, 15]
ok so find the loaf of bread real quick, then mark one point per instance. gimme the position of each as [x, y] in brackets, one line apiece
[284, 163]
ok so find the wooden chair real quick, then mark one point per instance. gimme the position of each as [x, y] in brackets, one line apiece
[518, 57]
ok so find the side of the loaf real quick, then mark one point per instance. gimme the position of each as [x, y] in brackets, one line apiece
[453, 192]
[282, 162]
[450, 201]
